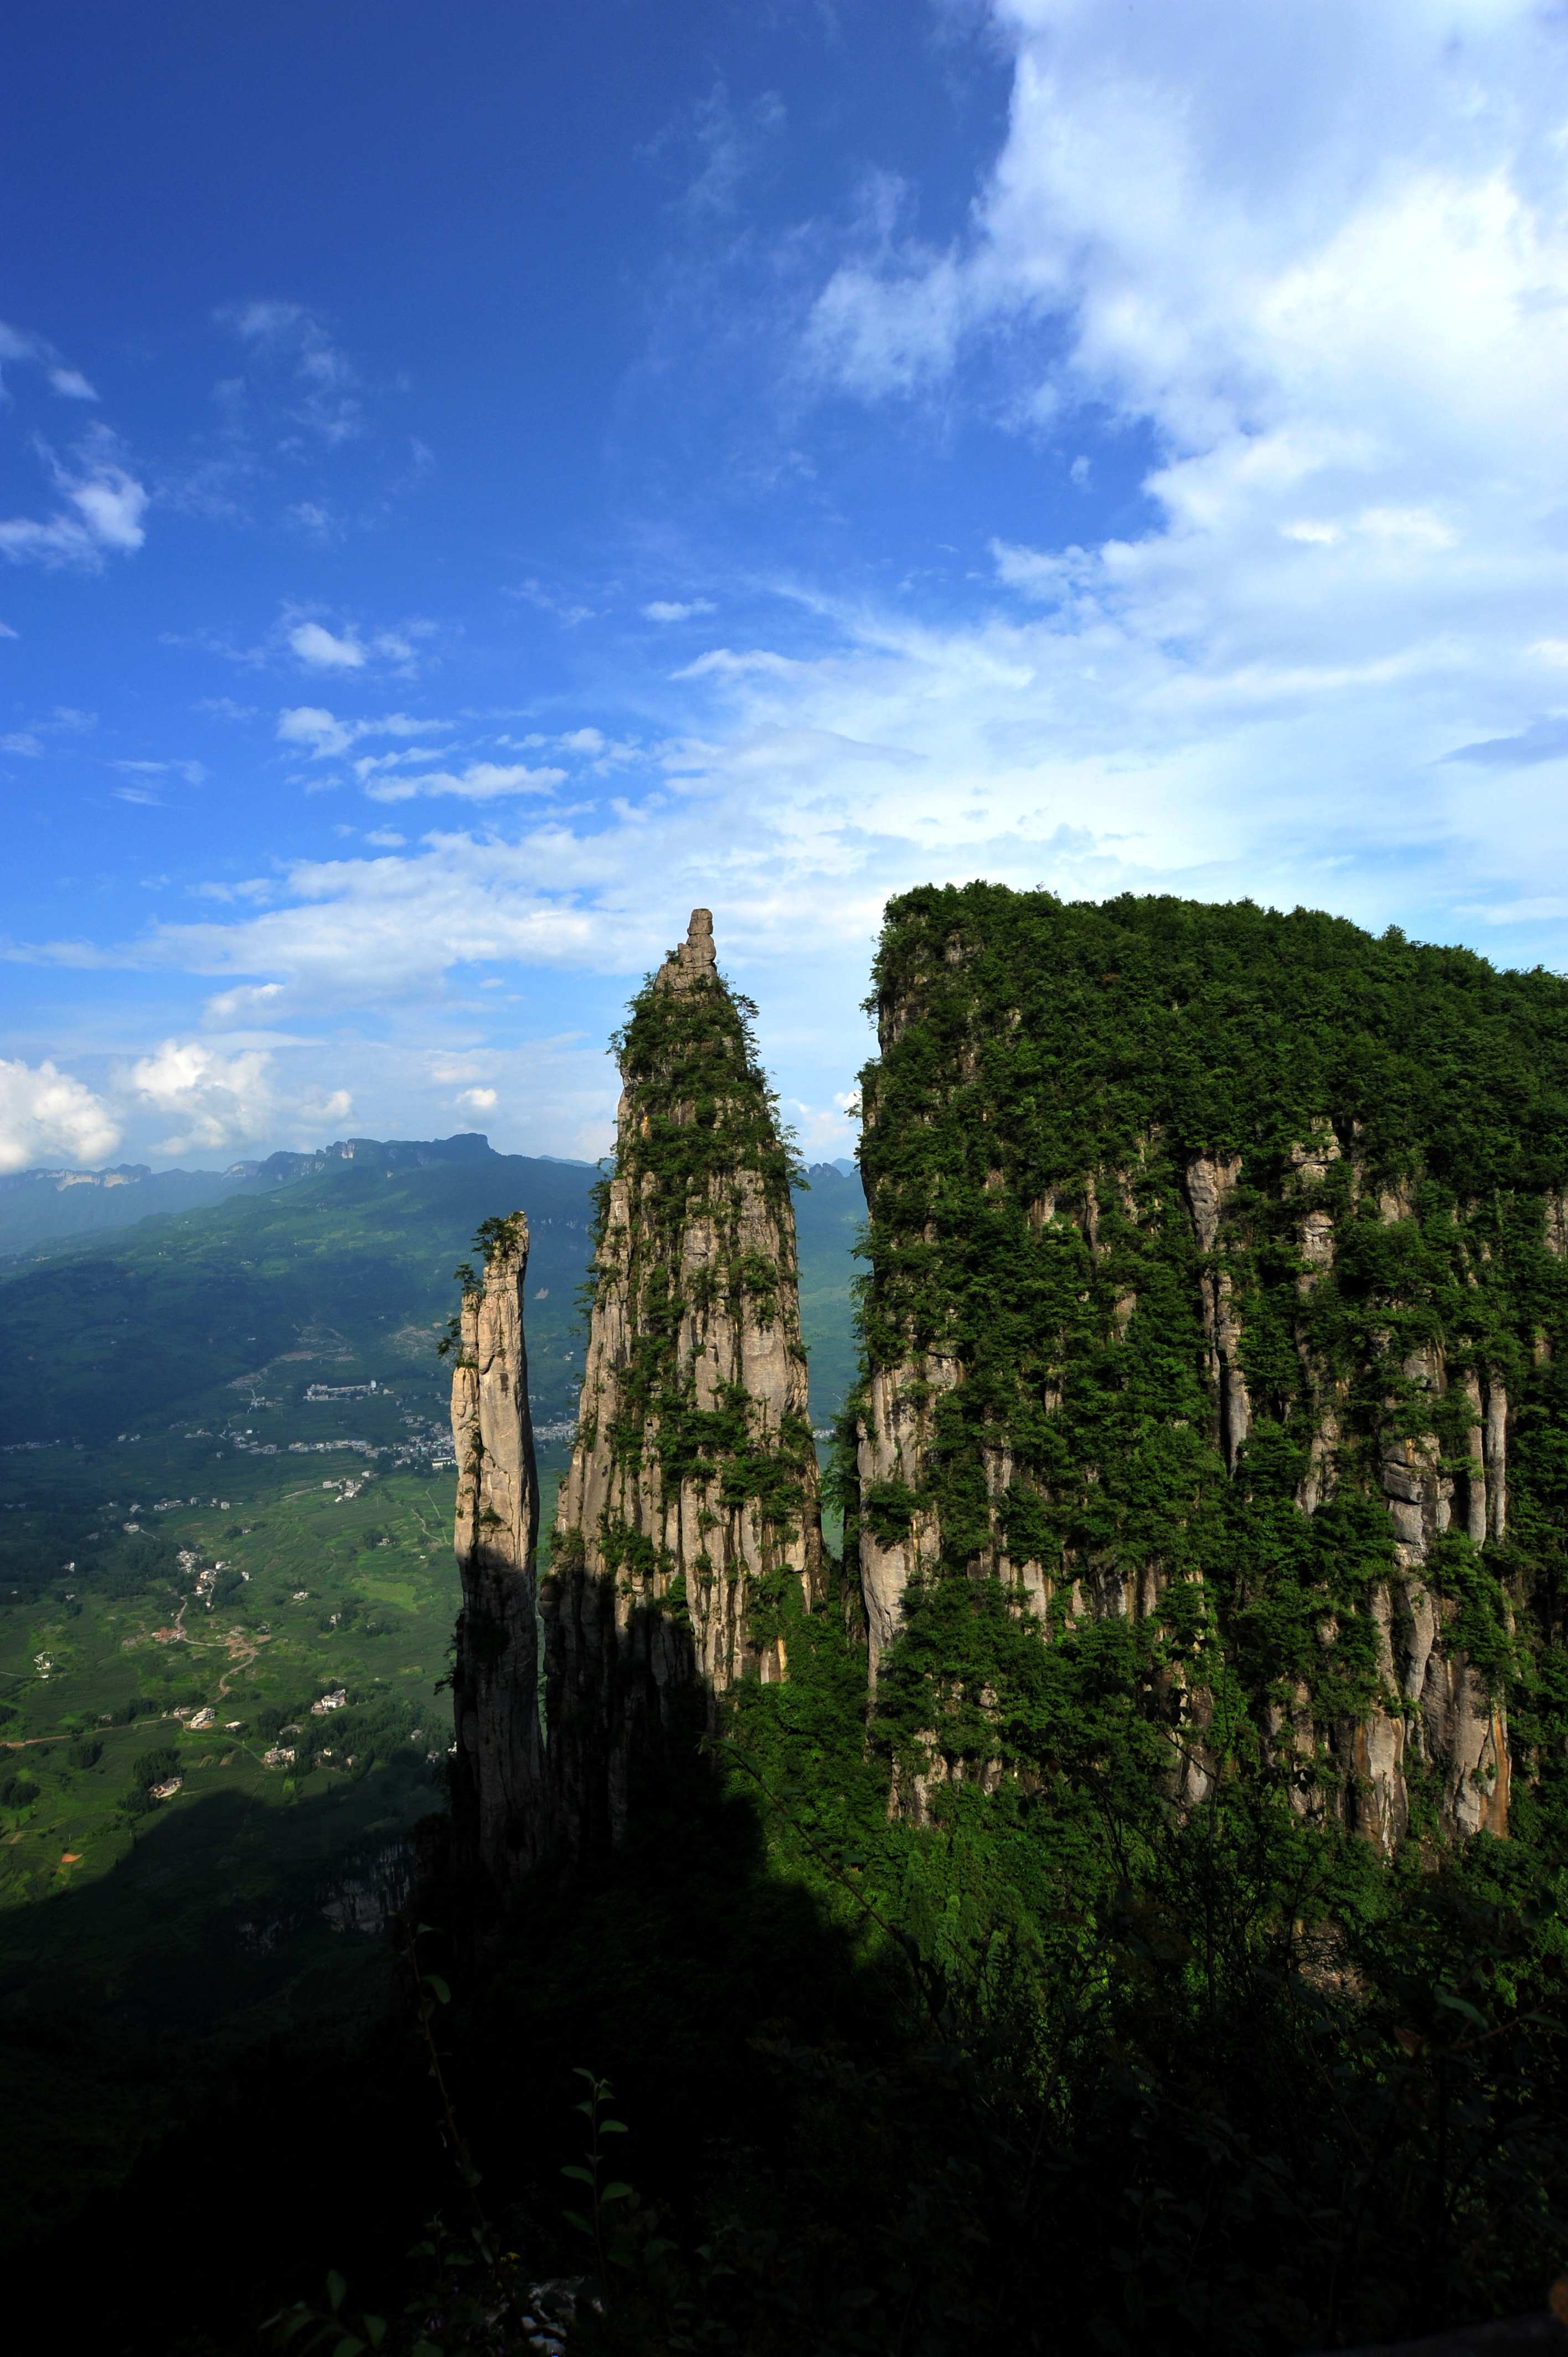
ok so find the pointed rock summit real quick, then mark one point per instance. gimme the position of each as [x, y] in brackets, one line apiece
[689, 1528]
[690, 1515]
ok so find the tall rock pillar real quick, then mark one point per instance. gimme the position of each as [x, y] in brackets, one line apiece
[690, 1515]
[500, 1813]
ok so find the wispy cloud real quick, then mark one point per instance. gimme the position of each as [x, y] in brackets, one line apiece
[192, 773]
[481, 781]
[287, 340]
[102, 513]
[723, 660]
[567, 610]
[17, 345]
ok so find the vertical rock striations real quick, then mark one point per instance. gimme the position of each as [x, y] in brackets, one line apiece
[689, 1518]
[498, 1812]
[688, 1525]
[1219, 1287]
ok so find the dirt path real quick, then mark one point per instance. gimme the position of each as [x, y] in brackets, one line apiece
[243, 1651]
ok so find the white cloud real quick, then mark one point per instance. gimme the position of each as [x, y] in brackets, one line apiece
[476, 1099]
[21, 740]
[16, 344]
[1315, 263]
[194, 773]
[311, 724]
[722, 661]
[481, 781]
[250, 998]
[104, 505]
[216, 1101]
[322, 650]
[319, 648]
[672, 609]
[44, 1114]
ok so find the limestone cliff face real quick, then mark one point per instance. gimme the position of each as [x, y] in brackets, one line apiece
[1172, 1320]
[500, 1812]
[688, 1519]
[689, 1510]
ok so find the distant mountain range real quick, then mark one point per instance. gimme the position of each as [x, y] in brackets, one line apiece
[359, 1238]
[38, 1205]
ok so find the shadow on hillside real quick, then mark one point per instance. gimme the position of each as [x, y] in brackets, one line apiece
[196, 1978]
[204, 1915]
[276, 2101]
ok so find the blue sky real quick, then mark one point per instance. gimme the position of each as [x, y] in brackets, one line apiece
[475, 483]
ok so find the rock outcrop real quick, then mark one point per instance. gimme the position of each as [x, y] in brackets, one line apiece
[499, 1812]
[688, 1519]
[688, 1527]
[1172, 1320]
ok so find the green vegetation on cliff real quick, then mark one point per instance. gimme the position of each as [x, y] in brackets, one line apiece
[695, 1239]
[1376, 1134]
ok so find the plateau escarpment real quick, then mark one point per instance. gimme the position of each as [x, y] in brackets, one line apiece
[689, 1518]
[1219, 1289]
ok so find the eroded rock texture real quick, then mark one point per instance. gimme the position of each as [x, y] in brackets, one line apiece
[499, 1798]
[1218, 1288]
[690, 1513]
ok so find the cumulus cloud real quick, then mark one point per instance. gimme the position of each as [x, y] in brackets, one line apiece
[323, 650]
[45, 1114]
[476, 1099]
[214, 1101]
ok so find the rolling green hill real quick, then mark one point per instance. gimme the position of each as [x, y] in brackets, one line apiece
[341, 1276]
